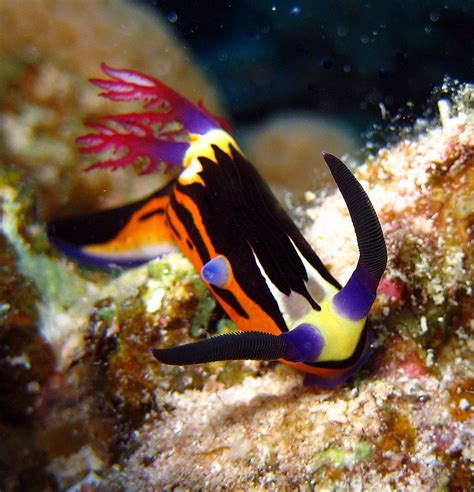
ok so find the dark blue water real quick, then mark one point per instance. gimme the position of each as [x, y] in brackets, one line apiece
[335, 57]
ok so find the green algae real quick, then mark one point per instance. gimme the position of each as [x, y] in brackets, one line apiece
[206, 307]
[26, 363]
[342, 457]
[53, 279]
[10, 69]
[176, 272]
[108, 313]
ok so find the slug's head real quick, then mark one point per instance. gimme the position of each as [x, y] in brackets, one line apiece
[341, 321]
[334, 335]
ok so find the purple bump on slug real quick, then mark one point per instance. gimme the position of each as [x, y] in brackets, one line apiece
[305, 343]
[356, 298]
[216, 271]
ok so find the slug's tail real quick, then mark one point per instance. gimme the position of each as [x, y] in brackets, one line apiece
[121, 237]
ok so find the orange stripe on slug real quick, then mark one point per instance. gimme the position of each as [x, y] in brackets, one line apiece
[146, 226]
[258, 318]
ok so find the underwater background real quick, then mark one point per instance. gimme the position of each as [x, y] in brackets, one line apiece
[388, 86]
[344, 57]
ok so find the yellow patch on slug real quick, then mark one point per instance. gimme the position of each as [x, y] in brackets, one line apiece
[341, 335]
[190, 174]
[201, 146]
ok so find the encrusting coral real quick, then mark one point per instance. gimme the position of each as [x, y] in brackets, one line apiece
[295, 140]
[47, 58]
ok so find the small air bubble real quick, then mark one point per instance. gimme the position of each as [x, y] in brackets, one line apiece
[364, 39]
[296, 10]
[172, 17]
[342, 31]
[434, 16]
[347, 68]
[222, 55]
[254, 35]
[428, 28]
[326, 63]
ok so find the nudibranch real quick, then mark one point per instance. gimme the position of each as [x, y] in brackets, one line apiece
[220, 213]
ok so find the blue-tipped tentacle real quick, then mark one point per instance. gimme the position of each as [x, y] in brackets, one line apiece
[356, 298]
[295, 346]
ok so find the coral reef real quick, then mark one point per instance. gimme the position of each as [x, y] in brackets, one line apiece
[406, 420]
[269, 433]
[77, 375]
[26, 362]
[45, 97]
[85, 406]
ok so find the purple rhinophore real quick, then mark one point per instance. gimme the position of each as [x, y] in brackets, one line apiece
[305, 343]
[357, 296]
